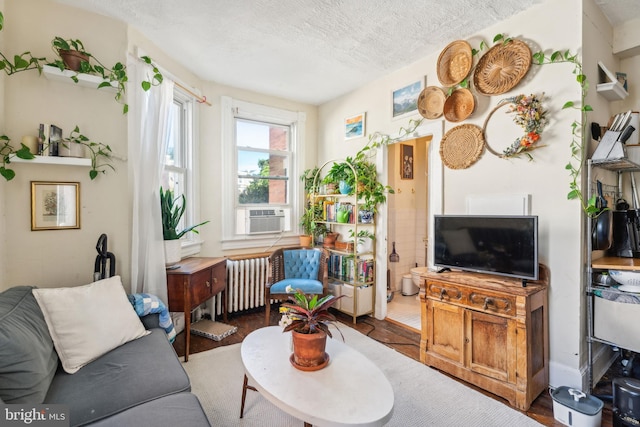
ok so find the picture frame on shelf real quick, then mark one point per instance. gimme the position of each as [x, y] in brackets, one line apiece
[622, 78]
[354, 126]
[55, 205]
[404, 100]
[406, 161]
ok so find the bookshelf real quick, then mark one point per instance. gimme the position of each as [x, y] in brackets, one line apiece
[351, 261]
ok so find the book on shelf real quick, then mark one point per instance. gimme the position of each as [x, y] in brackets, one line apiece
[345, 268]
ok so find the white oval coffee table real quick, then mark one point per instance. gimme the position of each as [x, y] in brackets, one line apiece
[350, 391]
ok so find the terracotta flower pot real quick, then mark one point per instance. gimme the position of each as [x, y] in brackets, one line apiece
[306, 240]
[309, 351]
[72, 58]
[330, 240]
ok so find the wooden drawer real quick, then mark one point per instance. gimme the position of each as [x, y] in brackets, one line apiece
[446, 292]
[201, 287]
[491, 302]
[218, 278]
[477, 299]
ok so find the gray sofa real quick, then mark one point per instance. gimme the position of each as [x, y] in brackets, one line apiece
[139, 383]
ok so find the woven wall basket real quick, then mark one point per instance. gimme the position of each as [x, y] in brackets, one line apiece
[459, 105]
[461, 146]
[431, 102]
[502, 67]
[454, 63]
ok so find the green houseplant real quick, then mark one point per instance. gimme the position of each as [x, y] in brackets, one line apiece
[7, 152]
[308, 318]
[100, 154]
[171, 215]
[72, 55]
[309, 221]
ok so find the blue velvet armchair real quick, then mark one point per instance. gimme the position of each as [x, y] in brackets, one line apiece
[304, 269]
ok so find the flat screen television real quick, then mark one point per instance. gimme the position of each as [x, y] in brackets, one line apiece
[503, 245]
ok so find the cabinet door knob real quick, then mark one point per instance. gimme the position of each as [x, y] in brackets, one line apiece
[215, 280]
[207, 284]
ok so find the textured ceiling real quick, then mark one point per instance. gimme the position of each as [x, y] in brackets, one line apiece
[310, 51]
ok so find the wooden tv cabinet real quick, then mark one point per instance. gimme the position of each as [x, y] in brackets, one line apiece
[487, 330]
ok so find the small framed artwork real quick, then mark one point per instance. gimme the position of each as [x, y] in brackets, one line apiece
[354, 126]
[406, 161]
[55, 205]
[404, 100]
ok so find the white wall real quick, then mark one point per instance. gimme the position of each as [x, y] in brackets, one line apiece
[545, 178]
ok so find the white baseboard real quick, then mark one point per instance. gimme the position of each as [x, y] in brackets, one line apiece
[563, 375]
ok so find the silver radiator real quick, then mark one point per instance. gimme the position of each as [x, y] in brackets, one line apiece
[246, 281]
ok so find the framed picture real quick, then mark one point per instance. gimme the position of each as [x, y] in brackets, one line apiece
[55, 205]
[354, 126]
[406, 161]
[404, 100]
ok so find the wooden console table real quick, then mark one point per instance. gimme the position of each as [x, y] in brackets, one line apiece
[194, 282]
[487, 330]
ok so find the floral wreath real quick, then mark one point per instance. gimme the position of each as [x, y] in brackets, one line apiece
[530, 116]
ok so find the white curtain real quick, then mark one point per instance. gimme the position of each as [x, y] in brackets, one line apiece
[149, 127]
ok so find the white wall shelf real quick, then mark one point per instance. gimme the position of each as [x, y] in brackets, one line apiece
[609, 86]
[613, 91]
[86, 80]
[53, 160]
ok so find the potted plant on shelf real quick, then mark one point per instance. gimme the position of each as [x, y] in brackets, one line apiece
[99, 153]
[310, 226]
[72, 53]
[363, 240]
[308, 318]
[340, 174]
[171, 215]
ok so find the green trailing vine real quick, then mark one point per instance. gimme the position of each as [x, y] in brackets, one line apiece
[7, 153]
[578, 129]
[115, 74]
[99, 153]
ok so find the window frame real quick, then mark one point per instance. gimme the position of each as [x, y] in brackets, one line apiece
[231, 109]
[191, 243]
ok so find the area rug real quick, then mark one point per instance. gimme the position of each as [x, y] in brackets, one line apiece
[423, 396]
[213, 330]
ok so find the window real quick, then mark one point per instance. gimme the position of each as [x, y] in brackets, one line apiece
[178, 167]
[261, 150]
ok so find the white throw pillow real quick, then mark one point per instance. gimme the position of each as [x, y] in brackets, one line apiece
[87, 321]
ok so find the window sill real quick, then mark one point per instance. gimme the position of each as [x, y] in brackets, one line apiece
[191, 247]
[266, 242]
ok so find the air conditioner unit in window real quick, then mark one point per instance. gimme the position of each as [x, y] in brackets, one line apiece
[265, 221]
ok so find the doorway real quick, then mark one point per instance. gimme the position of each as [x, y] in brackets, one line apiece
[407, 227]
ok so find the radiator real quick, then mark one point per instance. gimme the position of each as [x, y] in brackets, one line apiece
[246, 281]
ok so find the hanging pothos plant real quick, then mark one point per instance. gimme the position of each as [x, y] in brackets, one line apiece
[578, 128]
[99, 153]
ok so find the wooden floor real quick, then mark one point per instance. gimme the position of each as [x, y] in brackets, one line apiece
[404, 340]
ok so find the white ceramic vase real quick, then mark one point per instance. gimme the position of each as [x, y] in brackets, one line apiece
[172, 251]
